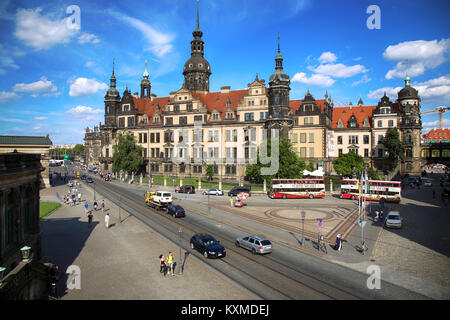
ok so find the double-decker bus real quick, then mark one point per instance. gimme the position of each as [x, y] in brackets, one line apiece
[390, 191]
[297, 188]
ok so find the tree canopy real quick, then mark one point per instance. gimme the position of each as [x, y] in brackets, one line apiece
[347, 163]
[394, 147]
[127, 155]
[289, 164]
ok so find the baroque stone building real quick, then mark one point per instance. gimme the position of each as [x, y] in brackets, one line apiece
[192, 127]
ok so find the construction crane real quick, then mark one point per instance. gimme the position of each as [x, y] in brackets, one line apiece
[441, 111]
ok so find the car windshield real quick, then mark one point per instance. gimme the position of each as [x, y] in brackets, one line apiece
[166, 195]
[394, 217]
[265, 242]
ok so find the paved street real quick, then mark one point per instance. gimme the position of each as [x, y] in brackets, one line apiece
[387, 248]
[122, 262]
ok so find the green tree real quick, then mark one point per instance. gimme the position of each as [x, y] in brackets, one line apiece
[347, 163]
[373, 174]
[127, 155]
[311, 167]
[78, 149]
[209, 172]
[394, 147]
[289, 164]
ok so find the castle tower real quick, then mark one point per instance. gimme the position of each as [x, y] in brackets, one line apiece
[112, 101]
[145, 83]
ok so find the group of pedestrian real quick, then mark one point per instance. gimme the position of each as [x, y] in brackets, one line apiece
[379, 215]
[91, 216]
[167, 265]
[72, 196]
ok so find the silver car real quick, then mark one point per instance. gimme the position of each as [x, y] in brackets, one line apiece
[255, 244]
[393, 220]
[213, 191]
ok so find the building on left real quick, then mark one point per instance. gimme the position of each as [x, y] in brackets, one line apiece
[22, 275]
[30, 144]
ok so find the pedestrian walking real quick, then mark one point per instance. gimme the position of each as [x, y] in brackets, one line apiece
[231, 202]
[103, 206]
[170, 263]
[163, 267]
[107, 221]
[338, 245]
[90, 217]
[86, 208]
[79, 197]
[377, 215]
[95, 205]
[53, 278]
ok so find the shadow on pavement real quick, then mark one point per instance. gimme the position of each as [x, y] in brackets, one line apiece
[62, 241]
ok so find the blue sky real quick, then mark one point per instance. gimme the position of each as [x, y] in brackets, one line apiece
[53, 74]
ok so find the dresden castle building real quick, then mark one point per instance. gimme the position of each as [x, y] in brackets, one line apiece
[183, 133]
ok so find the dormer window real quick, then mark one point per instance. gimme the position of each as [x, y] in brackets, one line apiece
[366, 122]
[353, 123]
[340, 125]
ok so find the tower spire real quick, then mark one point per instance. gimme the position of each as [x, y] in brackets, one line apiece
[198, 25]
[145, 74]
[278, 42]
[407, 78]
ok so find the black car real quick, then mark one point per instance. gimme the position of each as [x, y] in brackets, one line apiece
[89, 180]
[176, 211]
[236, 190]
[83, 177]
[207, 245]
[186, 189]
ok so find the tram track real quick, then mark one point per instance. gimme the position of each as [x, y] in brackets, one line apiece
[267, 277]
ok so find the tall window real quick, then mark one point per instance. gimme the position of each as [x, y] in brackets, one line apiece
[339, 139]
[11, 206]
[366, 139]
[27, 209]
[353, 139]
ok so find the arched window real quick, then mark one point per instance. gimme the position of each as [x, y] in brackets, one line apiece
[409, 153]
[408, 138]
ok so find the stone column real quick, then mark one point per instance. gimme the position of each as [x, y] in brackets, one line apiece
[220, 182]
[165, 181]
[181, 181]
[132, 177]
[199, 183]
[140, 179]
[331, 186]
[264, 185]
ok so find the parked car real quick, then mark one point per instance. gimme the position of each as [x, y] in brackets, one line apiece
[255, 244]
[162, 197]
[207, 245]
[236, 190]
[393, 220]
[186, 189]
[89, 180]
[213, 191]
[428, 183]
[176, 211]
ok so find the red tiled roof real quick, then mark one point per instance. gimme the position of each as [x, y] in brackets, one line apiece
[295, 104]
[218, 100]
[148, 107]
[437, 135]
[344, 113]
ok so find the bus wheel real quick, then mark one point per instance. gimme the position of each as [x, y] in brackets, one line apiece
[353, 198]
[284, 196]
[311, 196]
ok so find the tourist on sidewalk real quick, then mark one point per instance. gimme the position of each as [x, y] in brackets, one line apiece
[338, 245]
[107, 221]
[90, 217]
[79, 197]
[163, 267]
[170, 263]
[86, 208]
[103, 206]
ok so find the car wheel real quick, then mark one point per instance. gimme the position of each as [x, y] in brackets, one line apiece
[284, 196]
[205, 254]
[253, 251]
[192, 245]
[352, 197]
[237, 244]
[311, 196]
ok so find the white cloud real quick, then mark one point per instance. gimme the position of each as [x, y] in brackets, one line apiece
[88, 38]
[84, 87]
[40, 118]
[34, 88]
[37, 128]
[315, 79]
[41, 32]
[433, 91]
[340, 70]
[364, 79]
[85, 113]
[429, 125]
[89, 64]
[160, 43]
[6, 96]
[390, 92]
[421, 55]
[327, 57]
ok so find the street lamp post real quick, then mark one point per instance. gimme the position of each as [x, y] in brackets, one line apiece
[180, 233]
[303, 226]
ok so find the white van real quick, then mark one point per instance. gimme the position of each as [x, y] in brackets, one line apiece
[162, 197]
